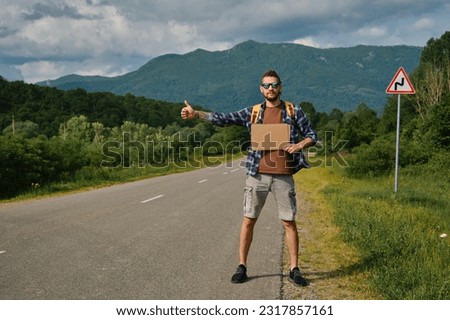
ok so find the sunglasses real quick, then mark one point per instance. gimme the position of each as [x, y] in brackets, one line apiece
[273, 84]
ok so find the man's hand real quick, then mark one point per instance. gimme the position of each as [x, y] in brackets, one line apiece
[187, 112]
[292, 148]
[302, 145]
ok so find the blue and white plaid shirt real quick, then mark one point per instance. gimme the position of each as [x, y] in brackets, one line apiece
[300, 127]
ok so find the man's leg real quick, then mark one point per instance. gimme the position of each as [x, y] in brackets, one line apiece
[245, 239]
[283, 189]
[292, 242]
[256, 190]
[290, 228]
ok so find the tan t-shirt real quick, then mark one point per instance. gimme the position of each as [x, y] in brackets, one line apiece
[275, 161]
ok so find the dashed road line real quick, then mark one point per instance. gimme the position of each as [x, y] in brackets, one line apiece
[2, 252]
[202, 181]
[234, 170]
[154, 198]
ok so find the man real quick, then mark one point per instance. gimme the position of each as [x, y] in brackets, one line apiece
[268, 170]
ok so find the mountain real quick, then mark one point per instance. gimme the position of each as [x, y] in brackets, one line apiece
[229, 80]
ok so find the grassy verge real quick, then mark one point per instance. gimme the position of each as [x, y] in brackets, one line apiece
[360, 240]
[330, 264]
[400, 237]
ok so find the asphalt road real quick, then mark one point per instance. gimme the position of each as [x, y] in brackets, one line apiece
[172, 237]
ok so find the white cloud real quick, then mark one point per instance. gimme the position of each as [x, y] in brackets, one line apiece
[313, 42]
[43, 70]
[10, 73]
[49, 38]
[371, 32]
[424, 23]
[52, 69]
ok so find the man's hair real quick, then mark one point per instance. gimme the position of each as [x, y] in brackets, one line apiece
[271, 73]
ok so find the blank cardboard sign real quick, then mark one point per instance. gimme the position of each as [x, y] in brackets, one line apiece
[270, 136]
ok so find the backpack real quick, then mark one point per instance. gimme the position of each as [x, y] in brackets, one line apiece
[289, 108]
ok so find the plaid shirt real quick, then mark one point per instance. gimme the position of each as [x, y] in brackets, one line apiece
[300, 127]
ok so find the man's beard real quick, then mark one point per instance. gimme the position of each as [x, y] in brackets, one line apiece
[272, 98]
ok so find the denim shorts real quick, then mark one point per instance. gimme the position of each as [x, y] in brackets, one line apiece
[282, 187]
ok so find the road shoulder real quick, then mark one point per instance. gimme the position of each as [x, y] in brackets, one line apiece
[329, 264]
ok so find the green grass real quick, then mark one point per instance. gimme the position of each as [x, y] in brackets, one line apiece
[398, 236]
[330, 264]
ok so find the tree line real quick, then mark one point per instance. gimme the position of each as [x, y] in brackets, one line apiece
[425, 120]
[50, 135]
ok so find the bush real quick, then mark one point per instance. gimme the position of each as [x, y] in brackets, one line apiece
[20, 165]
[378, 158]
[373, 160]
[28, 163]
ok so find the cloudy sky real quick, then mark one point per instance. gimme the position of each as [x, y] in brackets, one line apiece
[42, 40]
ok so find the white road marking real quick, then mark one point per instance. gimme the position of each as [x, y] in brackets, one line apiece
[2, 252]
[225, 173]
[234, 170]
[154, 198]
[204, 180]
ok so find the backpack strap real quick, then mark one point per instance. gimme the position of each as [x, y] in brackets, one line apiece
[257, 107]
[290, 109]
[255, 112]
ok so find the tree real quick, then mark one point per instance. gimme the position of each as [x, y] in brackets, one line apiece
[360, 126]
[310, 112]
[77, 128]
[437, 53]
[20, 165]
[433, 74]
[26, 129]
[430, 89]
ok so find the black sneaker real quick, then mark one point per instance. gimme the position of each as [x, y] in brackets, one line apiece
[240, 275]
[296, 278]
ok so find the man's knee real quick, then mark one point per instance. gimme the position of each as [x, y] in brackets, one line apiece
[291, 225]
[249, 222]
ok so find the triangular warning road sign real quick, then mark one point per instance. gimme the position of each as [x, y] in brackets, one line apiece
[400, 84]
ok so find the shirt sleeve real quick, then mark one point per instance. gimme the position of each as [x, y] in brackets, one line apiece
[304, 125]
[241, 117]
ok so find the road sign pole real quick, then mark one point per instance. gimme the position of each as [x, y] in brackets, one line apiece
[399, 85]
[397, 144]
